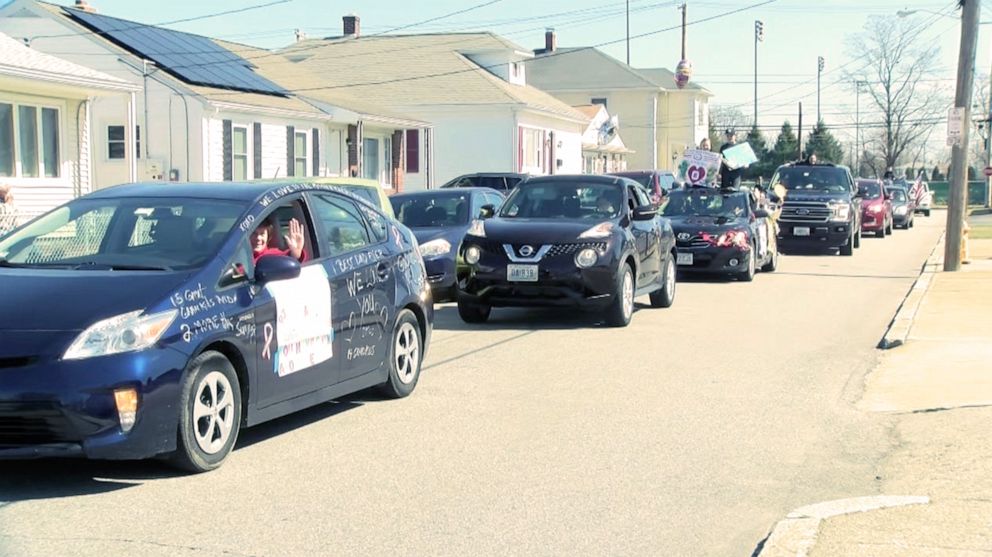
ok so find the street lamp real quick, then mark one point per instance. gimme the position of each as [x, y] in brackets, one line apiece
[819, 72]
[759, 35]
[857, 123]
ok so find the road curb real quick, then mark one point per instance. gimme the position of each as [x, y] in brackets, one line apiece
[795, 535]
[900, 325]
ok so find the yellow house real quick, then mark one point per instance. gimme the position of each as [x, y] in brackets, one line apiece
[660, 120]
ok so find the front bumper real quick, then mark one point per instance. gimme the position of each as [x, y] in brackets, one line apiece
[560, 283]
[821, 234]
[441, 276]
[713, 259]
[58, 408]
[873, 222]
[902, 219]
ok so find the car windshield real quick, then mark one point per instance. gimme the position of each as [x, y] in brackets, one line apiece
[124, 233]
[642, 178]
[829, 179]
[870, 190]
[898, 194]
[437, 209]
[368, 194]
[705, 203]
[559, 199]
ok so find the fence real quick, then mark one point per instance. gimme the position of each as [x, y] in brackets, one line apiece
[976, 193]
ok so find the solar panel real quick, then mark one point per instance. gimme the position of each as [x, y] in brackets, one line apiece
[194, 59]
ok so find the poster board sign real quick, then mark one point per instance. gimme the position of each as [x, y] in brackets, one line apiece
[740, 156]
[698, 167]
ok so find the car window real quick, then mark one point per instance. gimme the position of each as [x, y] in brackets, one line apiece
[829, 179]
[282, 216]
[154, 233]
[377, 225]
[870, 190]
[368, 194]
[539, 199]
[494, 182]
[435, 209]
[343, 227]
[239, 268]
[494, 199]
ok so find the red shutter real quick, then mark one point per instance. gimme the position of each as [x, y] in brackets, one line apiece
[412, 151]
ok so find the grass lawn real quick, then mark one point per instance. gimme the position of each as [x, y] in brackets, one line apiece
[981, 233]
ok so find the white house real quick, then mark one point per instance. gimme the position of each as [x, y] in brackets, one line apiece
[471, 87]
[202, 112]
[603, 151]
[660, 120]
[45, 118]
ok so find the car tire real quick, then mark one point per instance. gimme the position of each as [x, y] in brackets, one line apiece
[622, 308]
[664, 297]
[209, 415]
[473, 313]
[848, 248]
[748, 275]
[772, 264]
[406, 354]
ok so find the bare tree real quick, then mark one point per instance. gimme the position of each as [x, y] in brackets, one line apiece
[727, 117]
[896, 67]
[980, 120]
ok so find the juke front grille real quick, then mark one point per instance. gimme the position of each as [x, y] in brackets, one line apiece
[569, 249]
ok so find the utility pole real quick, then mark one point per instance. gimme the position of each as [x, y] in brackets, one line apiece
[628, 32]
[759, 35]
[957, 201]
[857, 127]
[988, 147]
[819, 72]
[800, 136]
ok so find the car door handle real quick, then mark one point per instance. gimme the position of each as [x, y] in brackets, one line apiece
[383, 269]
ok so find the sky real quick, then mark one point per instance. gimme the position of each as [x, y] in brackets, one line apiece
[720, 39]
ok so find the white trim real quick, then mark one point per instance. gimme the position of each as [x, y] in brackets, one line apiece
[70, 81]
[60, 107]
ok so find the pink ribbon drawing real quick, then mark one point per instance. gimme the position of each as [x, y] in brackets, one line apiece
[269, 332]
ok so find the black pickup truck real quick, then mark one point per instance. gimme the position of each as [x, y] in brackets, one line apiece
[822, 207]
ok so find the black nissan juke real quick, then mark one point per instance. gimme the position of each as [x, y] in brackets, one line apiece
[592, 242]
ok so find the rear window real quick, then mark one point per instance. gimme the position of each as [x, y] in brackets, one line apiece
[830, 179]
[870, 190]
[367, 194]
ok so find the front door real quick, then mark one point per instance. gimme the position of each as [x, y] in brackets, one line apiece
[647, 236]
[362, 277]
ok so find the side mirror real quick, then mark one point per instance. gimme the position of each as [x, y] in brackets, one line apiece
[761, 213]
[487, 211]
[644, 212]
[271, 268]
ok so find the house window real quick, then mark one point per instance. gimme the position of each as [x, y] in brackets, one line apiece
[30, 146]
[599, 100]
[239, 153]
[117, 142]
[533, 149]
[700, 113]
[370, 158]
[412, 151]
[300, 154]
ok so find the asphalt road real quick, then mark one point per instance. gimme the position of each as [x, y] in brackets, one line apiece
[540, 433]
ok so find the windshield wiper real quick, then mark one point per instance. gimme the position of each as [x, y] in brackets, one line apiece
[5, 263]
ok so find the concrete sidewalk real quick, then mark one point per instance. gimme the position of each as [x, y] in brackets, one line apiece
[935, 487]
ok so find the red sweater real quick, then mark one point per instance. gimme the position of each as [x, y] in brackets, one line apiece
[276, 251]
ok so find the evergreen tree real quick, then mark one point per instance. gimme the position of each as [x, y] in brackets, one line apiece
[786, 146]
[824, 145]
[763, 166]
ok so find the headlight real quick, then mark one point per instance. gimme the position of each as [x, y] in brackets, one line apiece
[601, 230]
[478, 229]
[876, 209]
[902, 210]
[434, 248]
[586, 258]
[472, 255]
[841, 209]
[123, 333]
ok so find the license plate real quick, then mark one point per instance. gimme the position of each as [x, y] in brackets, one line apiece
[683, 259]
[521, 273]
[800, 231]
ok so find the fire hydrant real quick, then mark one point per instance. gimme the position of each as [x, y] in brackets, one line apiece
[964, 242]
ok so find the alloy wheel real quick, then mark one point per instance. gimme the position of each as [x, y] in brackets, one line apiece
[213, 412]
[628, 294]
[407, 353]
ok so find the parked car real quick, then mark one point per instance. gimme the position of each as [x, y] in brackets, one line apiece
[187, 322]
[362, 188]
[924, 199]
[821, 208]
[439, 219]
[721, 231]
[594, 242]
[903, 207]
[876, 207]
[657, 182]
[499, 181]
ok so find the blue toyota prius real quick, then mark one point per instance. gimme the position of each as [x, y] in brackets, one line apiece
[150, 319]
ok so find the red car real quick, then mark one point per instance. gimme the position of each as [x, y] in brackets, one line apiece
[876, 207]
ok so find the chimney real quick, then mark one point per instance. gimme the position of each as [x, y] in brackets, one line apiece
[352, 25]
[85, 6]
[550, 40]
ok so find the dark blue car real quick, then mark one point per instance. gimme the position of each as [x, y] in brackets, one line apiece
[161, 318]
[440, 219]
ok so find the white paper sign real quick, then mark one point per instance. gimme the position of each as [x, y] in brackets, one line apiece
[304, 334]
[955, 125]
[699, 167]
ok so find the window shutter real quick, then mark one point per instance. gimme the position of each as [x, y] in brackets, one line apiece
[316, 152]
[290, 150]
[412, 151]
[228, 153]
[256, 135]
